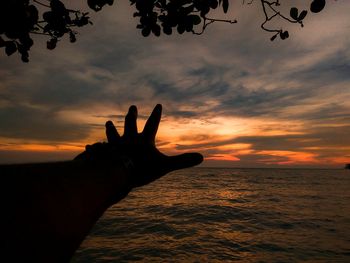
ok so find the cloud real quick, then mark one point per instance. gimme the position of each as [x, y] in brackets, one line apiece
[318, 145]
[298, 87]
[320, 137]
[29, 123]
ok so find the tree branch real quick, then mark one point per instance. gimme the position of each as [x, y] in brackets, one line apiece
[211, 21]
[35, 1]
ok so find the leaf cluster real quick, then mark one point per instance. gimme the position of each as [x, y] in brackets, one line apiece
[271, 11]
[97, 5]
[20, 19]
[17, 19]
[169, 15]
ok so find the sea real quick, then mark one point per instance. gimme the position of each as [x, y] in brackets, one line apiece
[228, 215]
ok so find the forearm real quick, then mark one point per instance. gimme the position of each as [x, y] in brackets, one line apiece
[50, 207]
[47, 212]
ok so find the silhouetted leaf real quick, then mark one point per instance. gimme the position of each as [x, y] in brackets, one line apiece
[195, 19]
[181, 28]
[213, 4]
[25, 58]
[33, 15]
[167, 30]
[51, 44]
[48, 16]
[189, 27]
[26, 41]
[156, 30]
[294, 13]
[72, 37]
[10, 47]
[24, 53]
[302, 15]
[317, 6]
[284, 35]
[225, 5]
[20, 18]
[94, 5]
[146, 31]
[187, 10]
[58, 7]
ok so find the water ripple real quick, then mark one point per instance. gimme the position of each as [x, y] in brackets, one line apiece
[226, 215]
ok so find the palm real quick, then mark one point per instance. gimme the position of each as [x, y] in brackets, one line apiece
[147, 162]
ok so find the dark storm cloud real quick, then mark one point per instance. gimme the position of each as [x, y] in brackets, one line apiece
[196, 92]
[29, 123]
[241, 101]
[331, 113]
[334, 137]
[63, 90]
[254, 103]
[330, 71]
[313, 137]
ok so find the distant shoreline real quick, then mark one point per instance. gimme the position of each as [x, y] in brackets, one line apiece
[269, 168]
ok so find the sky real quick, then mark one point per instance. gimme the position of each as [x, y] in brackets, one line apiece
[230, 94]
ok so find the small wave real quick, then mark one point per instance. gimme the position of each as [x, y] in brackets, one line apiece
[223, 215]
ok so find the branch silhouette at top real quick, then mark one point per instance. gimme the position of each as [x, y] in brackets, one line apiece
[20, 19]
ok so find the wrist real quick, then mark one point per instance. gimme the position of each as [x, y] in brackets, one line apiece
[129, 169]
[113, 172]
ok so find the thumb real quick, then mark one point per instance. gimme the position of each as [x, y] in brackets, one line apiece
[184, 161]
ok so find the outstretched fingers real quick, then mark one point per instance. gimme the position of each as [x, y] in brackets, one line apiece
[130, 126]
[182, 161]
[152, 124]
[112, 133]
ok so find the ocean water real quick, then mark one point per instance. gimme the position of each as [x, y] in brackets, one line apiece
[228, 215]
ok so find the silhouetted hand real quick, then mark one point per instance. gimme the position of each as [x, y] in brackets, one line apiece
[144, 162]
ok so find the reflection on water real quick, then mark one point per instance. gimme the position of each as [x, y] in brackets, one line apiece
[213, 215]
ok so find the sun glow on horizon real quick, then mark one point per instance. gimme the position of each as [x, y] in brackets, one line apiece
[218, 138]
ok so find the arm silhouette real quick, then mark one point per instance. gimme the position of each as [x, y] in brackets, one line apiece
[49, 208]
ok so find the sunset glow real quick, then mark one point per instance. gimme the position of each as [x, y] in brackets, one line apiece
[231, 94]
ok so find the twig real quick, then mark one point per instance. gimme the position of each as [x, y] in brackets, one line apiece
[211, 21]
[35, 1]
